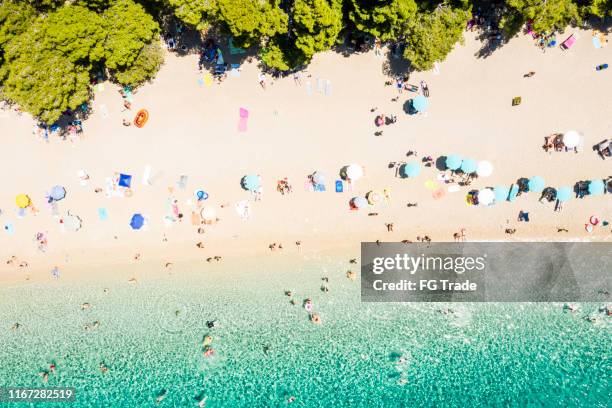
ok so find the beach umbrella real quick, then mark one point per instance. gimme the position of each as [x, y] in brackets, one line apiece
[22, 200]
[501, 193]
[486, 196]
[137, 221]
[359, 202]
[72, 223]
[201, 195]
[57, 193]
[468, 166]
[251, 182]
[208, 214]
[373, 197]
[453, 162]
[411, 169]
[536, 184]
[514, 190]
[420, 103]
[564, 193]
[596, 187]
[125, 180]
[484, 168]
[318, 177]
[571, 139]
[354, 172]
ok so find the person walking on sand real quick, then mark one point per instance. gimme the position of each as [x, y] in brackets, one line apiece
[262, 80]
[529, 74]
[389, 227]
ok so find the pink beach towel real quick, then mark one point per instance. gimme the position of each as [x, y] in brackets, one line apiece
[568, 42]
[244, 117]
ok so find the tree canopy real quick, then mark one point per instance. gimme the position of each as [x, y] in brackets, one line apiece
[384, 19]
[431, 36]
[545, 16]
[250, 21]
[195, 13]
[317, 24]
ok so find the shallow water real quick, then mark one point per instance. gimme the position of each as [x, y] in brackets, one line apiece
[366, 355]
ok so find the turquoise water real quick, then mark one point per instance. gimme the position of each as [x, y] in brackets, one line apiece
[266, 350]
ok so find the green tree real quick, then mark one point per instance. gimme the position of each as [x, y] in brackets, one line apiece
[46, 5]
[14, 20]
[144, 67]
[195, 13]
[316, 25]
[74, 31]
[250, 21]
[547, 15]
[45, 84]
[129, 28]
[384, 19]
[281, 54]
[597, 8]
[431, 36]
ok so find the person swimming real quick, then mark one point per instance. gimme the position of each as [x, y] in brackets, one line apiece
[308, 305]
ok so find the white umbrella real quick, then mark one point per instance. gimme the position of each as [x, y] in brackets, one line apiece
[484, 168]
[354, 172]
[208, 214]
[72, 222]
[318, 177]
[571, 139]
[486, 196]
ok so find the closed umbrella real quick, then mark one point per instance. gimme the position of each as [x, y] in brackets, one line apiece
[596, 187]
[501, 193]
[57, 193]
[468, 166]
[453, 162]
[251, 182]
[564, 193]
[359, 202]
[484, 168]
[137, 221]
[22, 200]
[571, 139]
[420, 103]
[411, 169]
[354, 172]
[536, 184]
[486, 196]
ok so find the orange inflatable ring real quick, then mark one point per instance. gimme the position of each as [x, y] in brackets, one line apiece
[141, 118]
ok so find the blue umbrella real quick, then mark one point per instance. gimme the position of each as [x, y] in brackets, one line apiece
[137, 221]
[513, 192]
[501, 193]
[201, 195]
[596, 187]
[251, 182]
[536, 184]
[125, 180]
[411, 169]
[57, 193]
[468, 166]
[420, 103]
[564, 193]
[453, 162]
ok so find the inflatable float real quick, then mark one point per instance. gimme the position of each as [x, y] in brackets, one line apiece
[141, 118]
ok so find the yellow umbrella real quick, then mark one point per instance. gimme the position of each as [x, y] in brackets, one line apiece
[22, 201]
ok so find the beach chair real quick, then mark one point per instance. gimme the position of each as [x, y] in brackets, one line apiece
[516, 101]
[604, 149]
[569, 41]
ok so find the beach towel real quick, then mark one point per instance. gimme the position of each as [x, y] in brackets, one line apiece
[453, 189]
[146, 175]
[438, 193]
[208, 79]
[431, 185]
[339, 186]
[320, 85]
[244, 117]
[200, 82]
[319, 187]
[309, 88]
[328, 88]
[182, 181]
[103, 111]
[102, 214]
[233, 49]
[569, 41]
[243, 209]
[308, 186]
[8, 227]
[436, 68]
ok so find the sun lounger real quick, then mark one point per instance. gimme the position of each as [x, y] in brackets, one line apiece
[339, 186]
[569, 41]
[604, 149]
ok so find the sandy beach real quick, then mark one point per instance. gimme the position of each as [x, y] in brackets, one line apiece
[294, 129]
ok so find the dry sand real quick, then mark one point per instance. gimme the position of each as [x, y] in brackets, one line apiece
[193, 130]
